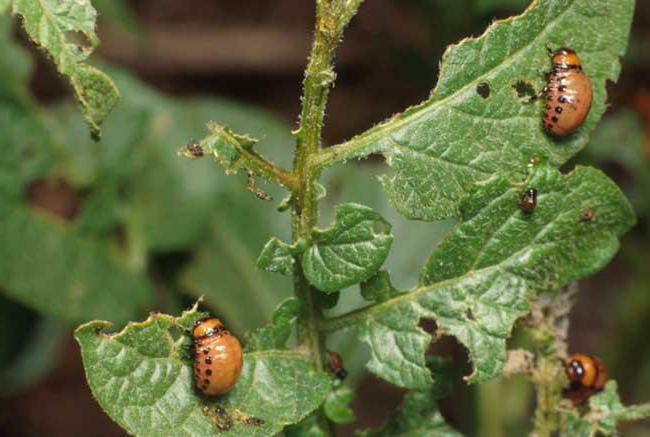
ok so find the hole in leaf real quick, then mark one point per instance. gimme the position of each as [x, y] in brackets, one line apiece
[483, 90]
[376, 400]
[429, 325]
[176, 332]
[78, 40]
[524, 89]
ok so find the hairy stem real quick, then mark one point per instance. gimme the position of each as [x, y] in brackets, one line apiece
[268, 170]
[331, 18]
[549, 320]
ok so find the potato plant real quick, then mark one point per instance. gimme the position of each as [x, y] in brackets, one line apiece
[467, 154]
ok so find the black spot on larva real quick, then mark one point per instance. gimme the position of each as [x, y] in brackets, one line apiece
[549, 97]
[558, 109]
[524, 89]
[208, 372]
[206, 350]
[483, 90]
[208, 361]
[548, 106]
[206, 382]
[562, 99]
[555, 119]
[562, 88]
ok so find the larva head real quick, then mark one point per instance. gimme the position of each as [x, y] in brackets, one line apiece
[206, 328]
[582, 369]
[566, 58]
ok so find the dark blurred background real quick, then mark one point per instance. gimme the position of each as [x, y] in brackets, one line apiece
[206, 59]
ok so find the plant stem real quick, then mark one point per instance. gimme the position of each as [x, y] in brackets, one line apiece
[549, 320]
[331, 18]
[268, 170]
[548, 382]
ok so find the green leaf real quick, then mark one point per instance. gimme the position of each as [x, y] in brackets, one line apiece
[350, 251]
[275, 335]
[276, 256]
[66, 30]
[225, 145]
[605, 412]
[483, 275]
[336, 406]
[441, 147]
[140, 379]
[310, 427]
[379, 288]
[48, 267]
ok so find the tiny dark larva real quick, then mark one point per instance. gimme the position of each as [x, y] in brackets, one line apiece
[194, 149]
[528, 201]
[568, 94]
[218, 357]
[587, 215]
[335, 363]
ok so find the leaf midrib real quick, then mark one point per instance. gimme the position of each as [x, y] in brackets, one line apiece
[348, 148]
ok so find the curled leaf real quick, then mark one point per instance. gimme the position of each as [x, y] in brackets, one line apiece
[66, 30]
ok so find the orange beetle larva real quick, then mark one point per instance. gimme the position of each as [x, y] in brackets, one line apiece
[218, 357]
[587, 375]
[568, 94]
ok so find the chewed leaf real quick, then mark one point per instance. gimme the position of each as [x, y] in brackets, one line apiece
[336, 406]
[224, 144]
[66, 30]
[605, 412]
[141, 379]
[379, 288]
[96, 93]
[350, 251]
[277, 256]
[483, 275]
[476, 123]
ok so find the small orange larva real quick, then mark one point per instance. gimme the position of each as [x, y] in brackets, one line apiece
[587, 375]
[218, 357]
[567, 93]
